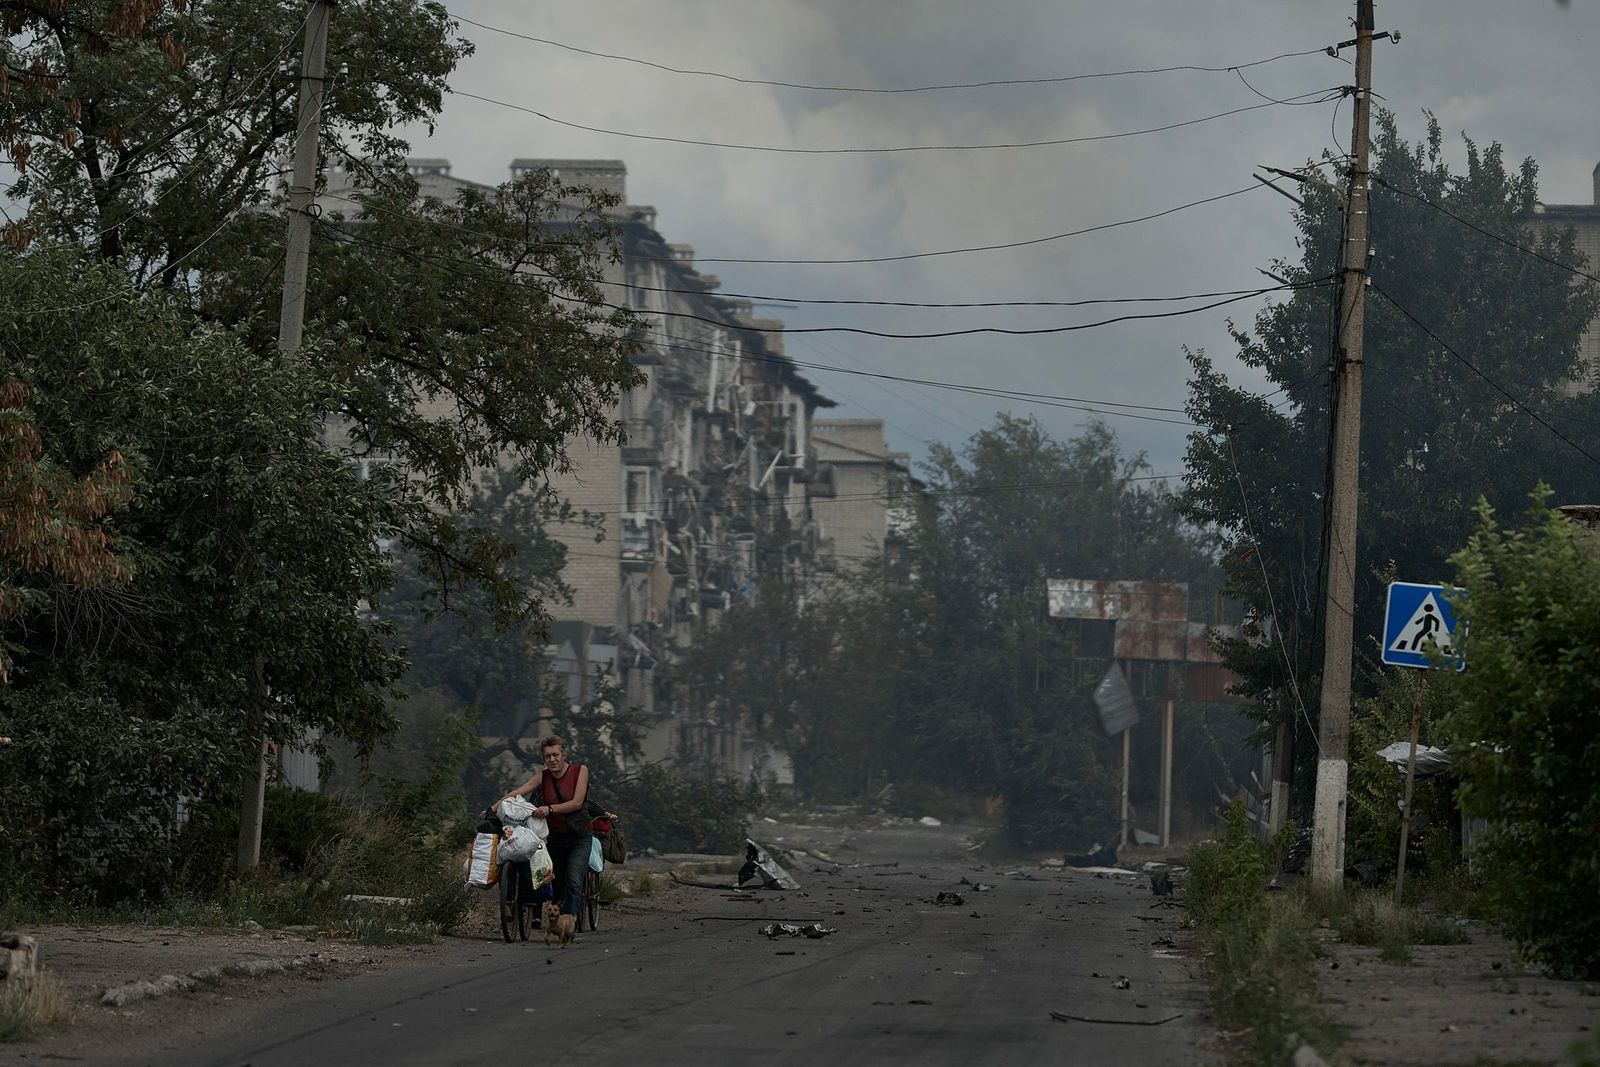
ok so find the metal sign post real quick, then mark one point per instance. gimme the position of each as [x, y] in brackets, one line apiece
[1405, 807]
[1418, 623]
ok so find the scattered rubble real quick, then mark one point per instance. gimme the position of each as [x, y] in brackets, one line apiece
[19, 955]
[125, 994]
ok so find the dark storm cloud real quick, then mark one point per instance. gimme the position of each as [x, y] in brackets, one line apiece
[1522, 73]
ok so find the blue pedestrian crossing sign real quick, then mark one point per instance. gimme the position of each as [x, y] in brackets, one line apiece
[1417, 618]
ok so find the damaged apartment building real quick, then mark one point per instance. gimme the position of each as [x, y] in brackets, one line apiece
[717, 487]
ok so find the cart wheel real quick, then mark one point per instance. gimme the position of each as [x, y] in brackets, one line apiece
[591, 898]
[507, 906]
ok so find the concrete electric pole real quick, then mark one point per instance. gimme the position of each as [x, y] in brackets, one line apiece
[1333, 766]
[291, 324]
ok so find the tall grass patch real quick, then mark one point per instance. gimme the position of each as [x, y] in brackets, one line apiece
[1260, 949]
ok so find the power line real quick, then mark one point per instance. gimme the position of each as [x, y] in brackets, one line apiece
[437, 261]
[917, 255]
[1534, 415]
[1040, 399]
[1272, 605]
[1323, 95]
[1056, 79]
[1001, 330]
[768, 298]
[1535, 253]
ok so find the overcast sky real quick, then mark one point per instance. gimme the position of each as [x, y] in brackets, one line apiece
[1520, 71]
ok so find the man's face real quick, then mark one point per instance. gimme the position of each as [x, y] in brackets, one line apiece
[555, 758]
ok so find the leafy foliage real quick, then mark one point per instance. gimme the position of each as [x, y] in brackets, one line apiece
[248, 547]
[1261, 948]
[1372, 826]
[952, 674]
[1530, 728]
[51, 519]
[676, 811]
[1435, 437]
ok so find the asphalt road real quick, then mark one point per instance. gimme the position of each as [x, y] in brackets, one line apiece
[902, 979]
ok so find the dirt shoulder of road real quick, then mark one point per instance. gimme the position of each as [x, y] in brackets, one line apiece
[1475, 1004]
[89, 960]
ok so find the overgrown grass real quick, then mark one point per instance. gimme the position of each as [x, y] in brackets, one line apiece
[374, 856]
[1261, 949]
[1373, 919]
[643, 883]
[31, 1004]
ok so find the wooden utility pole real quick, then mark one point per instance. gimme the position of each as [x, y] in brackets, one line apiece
[1333, 767]
[291, 325]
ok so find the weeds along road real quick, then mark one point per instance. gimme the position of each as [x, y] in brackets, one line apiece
[903, 979]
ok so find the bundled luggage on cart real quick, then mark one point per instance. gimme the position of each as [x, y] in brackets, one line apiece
[509, 852]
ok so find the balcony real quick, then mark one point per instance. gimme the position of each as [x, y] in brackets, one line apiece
[639, 540]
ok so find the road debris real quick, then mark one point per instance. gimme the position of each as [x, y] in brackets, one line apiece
[954, 900]
[1097, 856]
[815, 931]
[977, 887]
[1122, 983]
[1066, 1017]
[758, 862]
[929, 820]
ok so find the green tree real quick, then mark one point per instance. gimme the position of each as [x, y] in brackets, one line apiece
[461, 336]
[52, 519]
[948, 677]
[248, 548]
[1529, 727]
[1435, 435]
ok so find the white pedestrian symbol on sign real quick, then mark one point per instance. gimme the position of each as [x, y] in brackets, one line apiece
[1424, 626]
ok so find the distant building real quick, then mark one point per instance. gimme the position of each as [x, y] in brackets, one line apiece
[856, 498]
[709, 492]
[1585, 220]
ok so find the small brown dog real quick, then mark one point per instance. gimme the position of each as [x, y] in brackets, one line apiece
[549, 916]
[566, 926]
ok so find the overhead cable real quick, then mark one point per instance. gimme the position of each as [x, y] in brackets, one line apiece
[1000, 330]
[1502, 390]
[1321, 95]
[1469, 224]
[866, 259]
[1051, 80]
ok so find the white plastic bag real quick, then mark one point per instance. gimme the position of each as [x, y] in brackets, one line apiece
[483, 865]
[596, 863]
[517, 810]
[518, 843]
[544, 872]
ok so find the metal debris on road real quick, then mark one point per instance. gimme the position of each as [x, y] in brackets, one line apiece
[815, 931]
[758, 862]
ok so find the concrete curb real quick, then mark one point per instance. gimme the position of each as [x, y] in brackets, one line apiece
[129, 992]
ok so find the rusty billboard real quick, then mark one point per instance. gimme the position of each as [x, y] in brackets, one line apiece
[1182, 642]
[1110, 601]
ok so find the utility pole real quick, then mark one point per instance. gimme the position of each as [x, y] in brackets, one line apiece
[1333, 766]
[291, 325]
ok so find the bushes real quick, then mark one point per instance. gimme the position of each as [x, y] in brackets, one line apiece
[1261, 948]
[1531, 710]
[674, 811]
